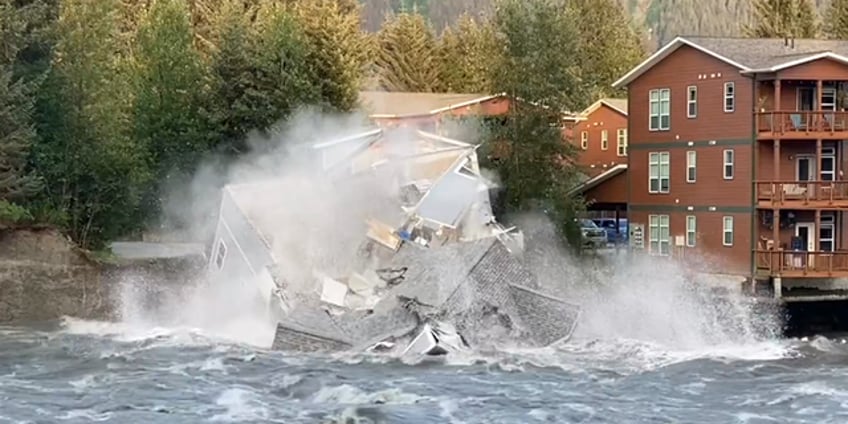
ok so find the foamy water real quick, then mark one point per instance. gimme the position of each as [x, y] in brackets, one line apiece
[81, 371]
[651, 347]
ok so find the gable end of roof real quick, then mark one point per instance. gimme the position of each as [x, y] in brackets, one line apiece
[664, 52]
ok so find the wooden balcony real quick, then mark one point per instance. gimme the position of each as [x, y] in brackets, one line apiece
[802, 125]
[802, 194]
[799, 264]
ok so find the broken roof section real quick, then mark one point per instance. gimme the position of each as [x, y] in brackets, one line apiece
[439, 178]
[409, 105]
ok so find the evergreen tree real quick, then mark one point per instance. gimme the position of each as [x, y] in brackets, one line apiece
[17, 132]
[338, 49]
[465, 56]
[95, 173]
[538, 66]
[259, 74]
[836, 20]
[167, 112]
[783, 18]
[406, 60]
[609, 45]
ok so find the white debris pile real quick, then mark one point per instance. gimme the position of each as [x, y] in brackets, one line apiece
[439, 274]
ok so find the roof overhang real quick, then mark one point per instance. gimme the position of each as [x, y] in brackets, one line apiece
[664, 52]
[598, 179]
[799, 61]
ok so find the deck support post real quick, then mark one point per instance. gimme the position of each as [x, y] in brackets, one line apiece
[777, 283]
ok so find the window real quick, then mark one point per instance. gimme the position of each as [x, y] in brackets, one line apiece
[659, 235]
[658, 172]
[727, 230]
[828, 166]
[604, 140]
[691, 223]
[220, 254]
[729, 97]
[584, 139]
[660, 109]
[622, 142]
[728, 164]
[691, 164]
[692, 102]
[826, 243]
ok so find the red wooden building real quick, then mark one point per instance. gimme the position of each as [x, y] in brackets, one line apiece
[736, 157]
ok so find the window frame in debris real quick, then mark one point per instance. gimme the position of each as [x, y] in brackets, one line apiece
[221, 254]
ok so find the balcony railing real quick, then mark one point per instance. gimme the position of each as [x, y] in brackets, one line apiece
[790, 122]
[813, 193]
[802, 264]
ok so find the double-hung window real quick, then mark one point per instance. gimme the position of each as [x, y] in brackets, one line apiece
[658, 172]
[659, 106]
[691, 166]
[691, 230]
[727, 231]
[692, 101]
[729, 97]
[659, 234]
[604, 140]
[584, 140]
[622, 142]
[728, 160]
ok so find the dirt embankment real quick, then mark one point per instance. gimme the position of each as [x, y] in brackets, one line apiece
[44, 276]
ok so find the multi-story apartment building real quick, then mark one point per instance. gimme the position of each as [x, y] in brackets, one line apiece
[736, 153]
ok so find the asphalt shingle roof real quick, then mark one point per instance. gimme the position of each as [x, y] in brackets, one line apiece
[759, 53]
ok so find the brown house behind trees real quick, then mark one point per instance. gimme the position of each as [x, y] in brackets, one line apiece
[736, 157]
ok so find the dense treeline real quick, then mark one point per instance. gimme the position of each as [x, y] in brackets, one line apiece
[105, 105]
[658, 20]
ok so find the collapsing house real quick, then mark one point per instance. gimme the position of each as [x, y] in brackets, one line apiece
[437, 274]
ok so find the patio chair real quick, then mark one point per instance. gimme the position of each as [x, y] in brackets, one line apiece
[797, 123]
[833, 124]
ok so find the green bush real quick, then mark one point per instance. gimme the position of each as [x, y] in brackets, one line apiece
[11, 213]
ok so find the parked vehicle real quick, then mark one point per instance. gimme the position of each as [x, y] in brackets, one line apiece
[613, 236]
[593, 235]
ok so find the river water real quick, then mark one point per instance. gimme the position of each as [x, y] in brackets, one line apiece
[649, 349]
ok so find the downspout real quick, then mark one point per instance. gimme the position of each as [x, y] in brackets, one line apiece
[629, 172]
[754, 155]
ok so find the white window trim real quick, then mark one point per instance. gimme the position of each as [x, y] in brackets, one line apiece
[691, 230]
[659, 101]
[662, 158]
[725, 163]
[660, 241]
[731, 97]
[725, 230]
[691, 102]
[604, 140]
[222, 252]
[828, 221]
[584, 140]
[691, 163]
[621, 142]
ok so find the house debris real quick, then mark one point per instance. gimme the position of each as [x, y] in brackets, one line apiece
[439, 276]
